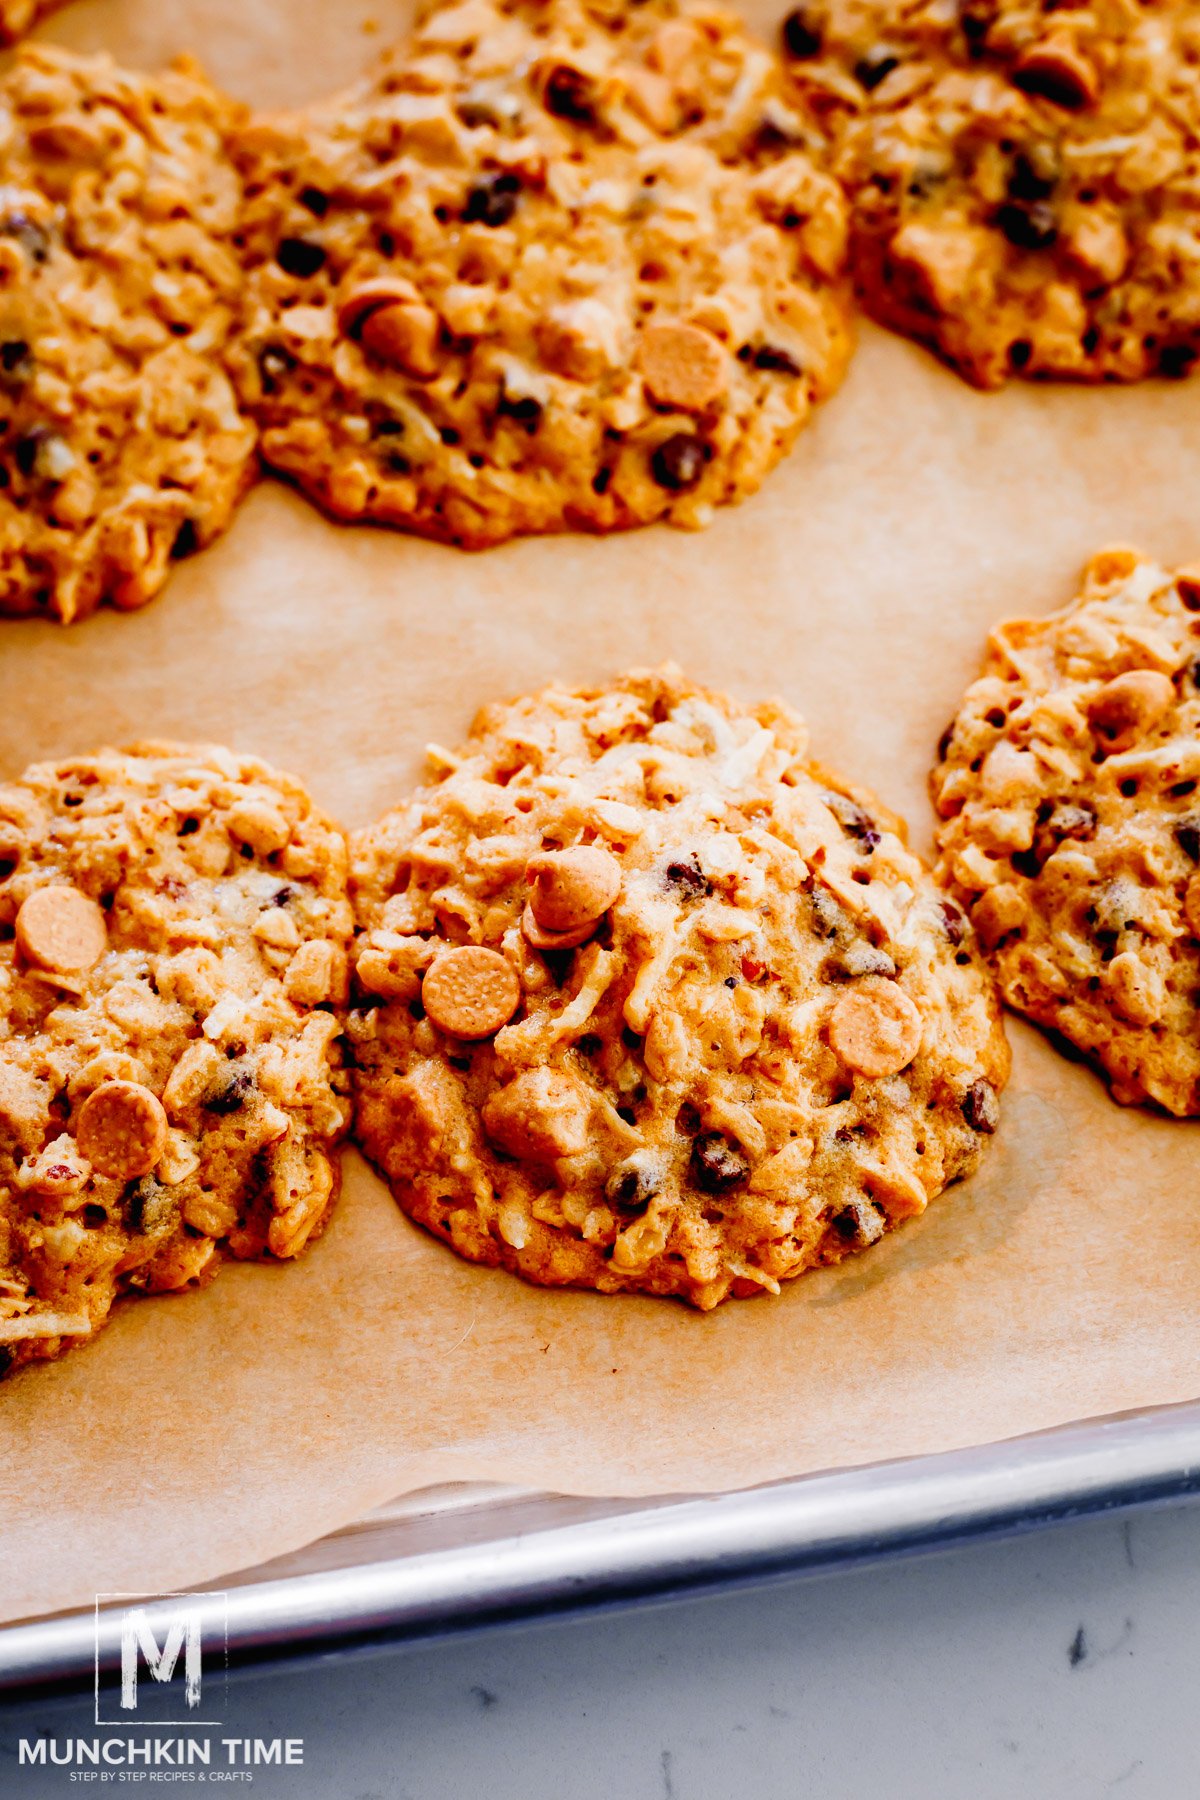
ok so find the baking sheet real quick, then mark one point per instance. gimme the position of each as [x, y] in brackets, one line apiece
[207, 1432]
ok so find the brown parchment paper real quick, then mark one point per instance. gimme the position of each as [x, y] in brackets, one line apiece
[206, 1432]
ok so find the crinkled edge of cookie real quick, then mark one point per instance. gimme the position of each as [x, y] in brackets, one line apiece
[74, 933]
[1070, 737]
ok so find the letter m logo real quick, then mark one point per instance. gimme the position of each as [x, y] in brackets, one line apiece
[160, 1645]
[137, 1636]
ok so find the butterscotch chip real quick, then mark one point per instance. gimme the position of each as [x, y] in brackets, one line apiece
[541, 939]
[368, 296]
[567, 888]
[60, 928]
[1068, 793]
[683, 366]
[876, 1029]
[121, 1129]
[666, 1113]
[405, 336]
[470, 992]
[1021, 177]
[1057, 70]
[174, 1095]
[540, 236]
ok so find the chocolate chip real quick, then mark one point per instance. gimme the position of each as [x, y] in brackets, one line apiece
[16, 363]
[25, 452]
[716, 1163]
[568, 95]
[523, 408]
[1063, 822]
[147, 1206]
[688, 879]
[802, 32]
[1034, 173]
[829, 919]
[186, 541]
[34, 239]
[772, 359]
[492, 201]
[847, 1224]
[282, 895]
[954, 922]
[678, 463]
[1176, 360]
[231, 1091]
[299, 257]
[314, 201]
[273, 364]
[632, 1186]
[1031, 226]
[976, 18]
[1187, 836]
[980, 1107]
[875, 67]
[1047, 82]
[856, 823]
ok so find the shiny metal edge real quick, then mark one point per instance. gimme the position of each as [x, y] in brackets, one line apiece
[620, 1551]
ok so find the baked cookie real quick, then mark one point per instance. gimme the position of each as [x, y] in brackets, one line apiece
[173, 933]
[1024, 176]
[121, 442]
[19, 16]
[481, 304]
[648, 1001]
[1069, 794]
[654, 69]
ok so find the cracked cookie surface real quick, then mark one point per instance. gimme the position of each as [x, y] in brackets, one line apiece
[173, 935]
[1069, 793]
[1024, 179]
[487, 296]
[647, 1001]
[122, 446]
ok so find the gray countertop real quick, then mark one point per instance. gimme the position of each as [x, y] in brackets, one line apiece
[1059, 1666]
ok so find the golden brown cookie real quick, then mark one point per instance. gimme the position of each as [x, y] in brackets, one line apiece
[122, 446]
[489, 295]
[647, 1001]
[1023, 177]
[173, 932]
[19, 16]
[1069, 793]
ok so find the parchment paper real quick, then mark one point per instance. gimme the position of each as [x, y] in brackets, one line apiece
[209, 1431]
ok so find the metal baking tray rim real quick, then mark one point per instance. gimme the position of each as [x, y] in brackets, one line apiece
[522, 1562]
